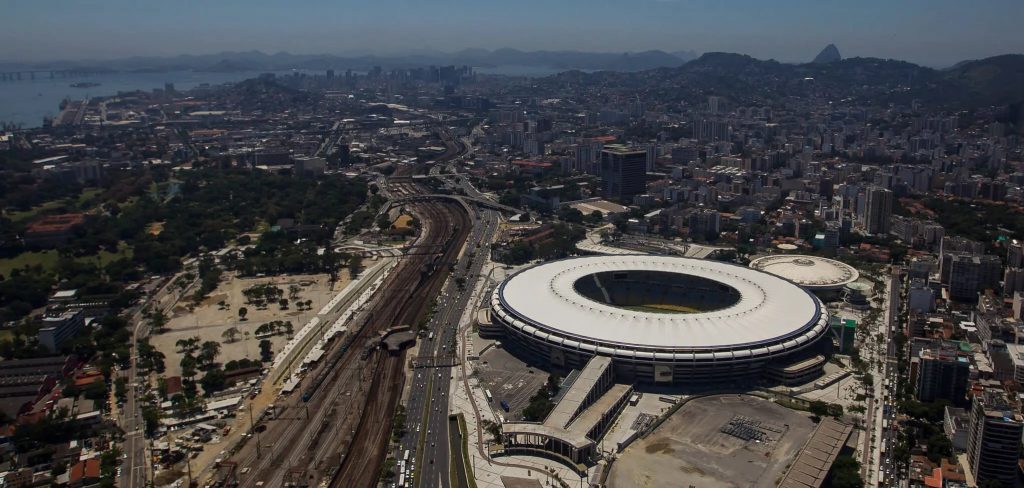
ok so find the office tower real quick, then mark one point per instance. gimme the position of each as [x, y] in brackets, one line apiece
[993, 442]
[330, 74]
[1015, 254]
[878, 211]
[58, 328]
[623, 172]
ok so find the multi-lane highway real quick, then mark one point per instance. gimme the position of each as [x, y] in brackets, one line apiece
[428, 402]
[878, 462]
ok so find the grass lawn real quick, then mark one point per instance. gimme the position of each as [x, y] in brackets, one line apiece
[77, 203]
[21, 216]
[88, 194]
[48, 259]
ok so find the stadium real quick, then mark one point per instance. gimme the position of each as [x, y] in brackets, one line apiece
[663, 320]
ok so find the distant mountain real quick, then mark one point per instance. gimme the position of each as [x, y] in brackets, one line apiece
[259, 61]
[991, 81]
[744, 80]
[828, 55]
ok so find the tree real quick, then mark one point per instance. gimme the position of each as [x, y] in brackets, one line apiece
[151, 418]
[293, 291]
[539, 407]
[265, 353]
[188, 346]
[231, 334]
[819, 408]
[213, 381]
[283, 303]
[939, 446]
[242, 312]
[355, 266]
[121, 388]
[208, 353]
[494, 429]
[845, 473]
[158, 321]
[188, 365]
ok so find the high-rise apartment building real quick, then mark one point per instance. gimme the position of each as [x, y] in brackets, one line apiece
[942, 374]
[993, 443]
[951, 246]
[878, 211]
[972, 274]
[623, 172]
[705, 223]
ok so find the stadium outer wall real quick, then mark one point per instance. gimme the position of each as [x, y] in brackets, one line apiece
[741, 363]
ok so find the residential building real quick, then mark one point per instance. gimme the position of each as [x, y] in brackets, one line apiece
[993, 444]
[920, 297]
[878, 211]
[942, 374]
[705, 223]
[956, 425]
[972, 274]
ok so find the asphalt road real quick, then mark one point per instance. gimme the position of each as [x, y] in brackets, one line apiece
[134, 468]
[427, 406]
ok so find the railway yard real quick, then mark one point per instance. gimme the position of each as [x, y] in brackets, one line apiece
[333, 430]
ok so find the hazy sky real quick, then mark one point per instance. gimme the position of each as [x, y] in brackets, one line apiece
[933, 32]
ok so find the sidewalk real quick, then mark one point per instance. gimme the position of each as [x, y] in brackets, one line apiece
[473, 403]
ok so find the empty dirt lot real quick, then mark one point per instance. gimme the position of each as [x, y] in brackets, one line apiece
[689, 449]
[209, 320]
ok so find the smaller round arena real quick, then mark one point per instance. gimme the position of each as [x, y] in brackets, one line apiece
[814, 273]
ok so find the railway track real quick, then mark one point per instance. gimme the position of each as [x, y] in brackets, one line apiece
[369, 445]
[344, 428]
[340, 434]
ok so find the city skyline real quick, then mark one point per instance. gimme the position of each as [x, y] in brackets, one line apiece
[936, 34]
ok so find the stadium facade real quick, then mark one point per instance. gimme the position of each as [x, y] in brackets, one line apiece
[663, 320]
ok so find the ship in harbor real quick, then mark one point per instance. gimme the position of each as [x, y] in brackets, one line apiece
[84, 84]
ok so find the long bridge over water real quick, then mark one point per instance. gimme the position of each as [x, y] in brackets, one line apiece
[45, 74]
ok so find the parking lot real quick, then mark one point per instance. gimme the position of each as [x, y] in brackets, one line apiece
[509, 379]
[716, 441]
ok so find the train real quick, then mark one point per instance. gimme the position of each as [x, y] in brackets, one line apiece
[326, 371]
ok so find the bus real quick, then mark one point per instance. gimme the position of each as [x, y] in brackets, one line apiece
[430, 336]
[405, 457]
[401, 479]
[487, 393]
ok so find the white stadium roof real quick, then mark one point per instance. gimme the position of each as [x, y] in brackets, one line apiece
[811, 272]
[543, 301]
